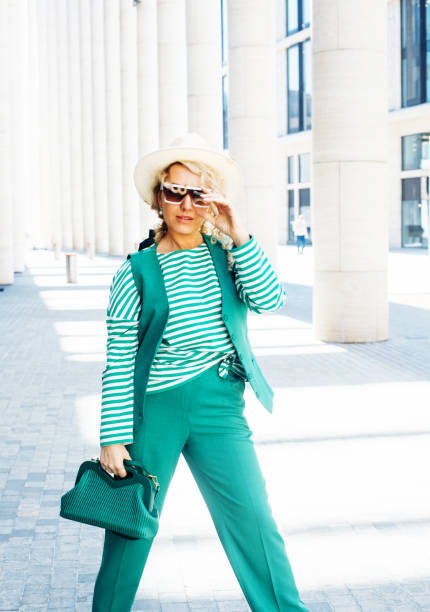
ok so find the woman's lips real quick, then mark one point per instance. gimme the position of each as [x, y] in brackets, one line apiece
[185, 219]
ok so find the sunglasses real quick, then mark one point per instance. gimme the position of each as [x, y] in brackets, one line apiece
[175, 194]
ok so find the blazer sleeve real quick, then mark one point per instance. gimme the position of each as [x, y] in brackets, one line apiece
[256, 282]
[122, 322]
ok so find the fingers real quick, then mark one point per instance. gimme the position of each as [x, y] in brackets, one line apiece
[112, 459]
[114, 470]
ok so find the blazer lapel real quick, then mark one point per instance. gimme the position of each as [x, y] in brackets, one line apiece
[228, 289]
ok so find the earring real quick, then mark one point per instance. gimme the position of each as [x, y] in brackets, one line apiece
[160, 213]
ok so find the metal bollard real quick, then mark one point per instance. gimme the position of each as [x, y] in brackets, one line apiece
[72, 267]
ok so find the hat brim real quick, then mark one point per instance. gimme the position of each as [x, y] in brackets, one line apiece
[148, 168]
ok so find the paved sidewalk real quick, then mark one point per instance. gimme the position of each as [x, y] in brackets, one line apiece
[345, 454]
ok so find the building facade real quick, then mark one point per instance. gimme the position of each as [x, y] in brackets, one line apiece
[89, 87]
[408, 104]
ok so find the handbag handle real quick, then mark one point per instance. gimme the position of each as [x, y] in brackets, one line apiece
[134, 463]
[131, 463]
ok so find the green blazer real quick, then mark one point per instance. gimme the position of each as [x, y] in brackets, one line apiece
[149, 281]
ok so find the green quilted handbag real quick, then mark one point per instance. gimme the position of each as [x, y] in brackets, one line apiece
[123, 505]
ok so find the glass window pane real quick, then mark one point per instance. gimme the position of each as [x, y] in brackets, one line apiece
[305, 168]
[427, 44]
[415, 151]
[414, 214]
[305, 207]
[307, 85]
[412, 83]
[281, 19]
[306, 13]
[293, 89]
[291, 237]
[291, 169]
[292, 16]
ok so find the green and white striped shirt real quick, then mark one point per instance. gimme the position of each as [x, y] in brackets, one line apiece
[195, 336]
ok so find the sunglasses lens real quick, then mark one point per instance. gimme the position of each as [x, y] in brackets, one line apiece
[171, 196]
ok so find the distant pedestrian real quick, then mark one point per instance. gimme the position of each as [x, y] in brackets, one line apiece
[301, 232]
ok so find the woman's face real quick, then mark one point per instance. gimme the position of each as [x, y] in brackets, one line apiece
[182, 218]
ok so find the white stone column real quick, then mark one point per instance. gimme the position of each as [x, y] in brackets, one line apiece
[252, 115]
[64, 124]
[129, 131]
[349, 188]
[147, 93]
[46, 204]
[53, 135]
[6, 228]
[113, 125]
[75, 124]
[87, 128]
[172, 70]
[99, 128]
[204, 70]
[18, 124]
[33, 219]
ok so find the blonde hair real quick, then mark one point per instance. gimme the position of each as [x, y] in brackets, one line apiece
[213, 182]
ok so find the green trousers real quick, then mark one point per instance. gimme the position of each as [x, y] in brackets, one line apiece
[203, 419]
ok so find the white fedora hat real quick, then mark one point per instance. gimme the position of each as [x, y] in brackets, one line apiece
[188, 147]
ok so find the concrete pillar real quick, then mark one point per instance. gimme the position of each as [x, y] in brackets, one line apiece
[46, 208]
[113, 125]
[6, 228]
[172, 70]
[101, 210]
[147, 93]
[87, 128]
[204, 70]
[54, 128]
[18, 125]
[349, 188]
[75, 124]
[129, 131]
[33, 219]
[252, 115]
[64, 124]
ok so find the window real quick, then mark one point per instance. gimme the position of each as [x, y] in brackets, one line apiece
[307, 85]
[305, 208]
[415, 214]
[299, 87]
[306, 13]
[293, 80]
[291, 169]
[298, 15]
[291, 237]
[415, 17]
[292, 16]
[415, 151]
[304, 168]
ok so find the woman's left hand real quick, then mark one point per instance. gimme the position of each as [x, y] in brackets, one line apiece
[227, 220]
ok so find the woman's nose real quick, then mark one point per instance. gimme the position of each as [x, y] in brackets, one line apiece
[187, 202]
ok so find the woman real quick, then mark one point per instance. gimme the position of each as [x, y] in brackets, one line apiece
[178, 356]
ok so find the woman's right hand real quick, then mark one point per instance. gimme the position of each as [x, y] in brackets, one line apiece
[112, 459]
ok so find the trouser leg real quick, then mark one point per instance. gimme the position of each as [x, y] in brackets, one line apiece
[158, 445]
[222, 458]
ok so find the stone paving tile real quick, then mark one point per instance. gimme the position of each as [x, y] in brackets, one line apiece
[48, 563]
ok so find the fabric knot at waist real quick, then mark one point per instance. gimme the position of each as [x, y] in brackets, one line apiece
[230, 364]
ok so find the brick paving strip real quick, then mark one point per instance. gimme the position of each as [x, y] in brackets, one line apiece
[348, 479]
